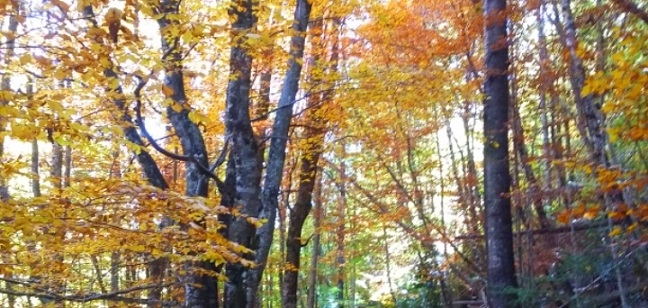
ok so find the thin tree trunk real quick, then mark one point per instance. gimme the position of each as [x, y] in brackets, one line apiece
[590, 117]
[497, 179]
[388, 266]
[340, 234]
[35, 181]
[283, 210]
[317, 224]
[9, 46]
[592, 122]
[544, 62]
[149, 166]
[520, 148]
[445, 290]
[200, 287]
[115, 257]
[314, 135]
[277, 150]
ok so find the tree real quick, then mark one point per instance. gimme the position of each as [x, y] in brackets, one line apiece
[497, 179]
[147, 150]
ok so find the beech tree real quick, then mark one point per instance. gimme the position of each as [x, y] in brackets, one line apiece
[497, 179]
[172, 154]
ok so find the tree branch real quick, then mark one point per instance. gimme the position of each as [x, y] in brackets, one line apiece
[140, 122]
[113, 296]
[630, 7]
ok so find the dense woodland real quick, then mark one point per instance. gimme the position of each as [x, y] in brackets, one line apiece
[330, 153]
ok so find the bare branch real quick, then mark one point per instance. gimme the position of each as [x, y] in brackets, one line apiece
[84, 298]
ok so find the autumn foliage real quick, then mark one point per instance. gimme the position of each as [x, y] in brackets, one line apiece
[319, 153]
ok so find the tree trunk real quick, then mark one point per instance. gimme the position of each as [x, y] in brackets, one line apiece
[497, 179]
[340, 233]
[590, 117]
[314, 136]
[9, 46]
[244, 151]
[317, 224]
[543, 77]
[534, 192]
[388, 266]
[200, 288]
[277, 150]
[150, 168]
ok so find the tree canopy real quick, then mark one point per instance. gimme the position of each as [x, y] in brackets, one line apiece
[336, 153]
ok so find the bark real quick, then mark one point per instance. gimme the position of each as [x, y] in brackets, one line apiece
[35, 185]
[534, 193]
[277, 150]
[497, 179]
[592, 123]
[144, 158]
[464, 198]
[314, 136]
[56, 176]
[543, 75]
[445, 290]
[149, 167]
[388, 266]
[244, 152]
[200, 289]
[317, 223]
[590, 117]
[35, 181]
[340, 233]
[67, 164]
[472, 177]
[9, 46]
[631, 7]
[56, 173]
[282, 211]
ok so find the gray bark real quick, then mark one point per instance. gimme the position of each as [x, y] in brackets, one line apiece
[200, 289]
[590, 117]
[245, 149]
[146, 161]
[279, 138]
[592, 123]
[314, 134]
[149, 167]
[10, 45]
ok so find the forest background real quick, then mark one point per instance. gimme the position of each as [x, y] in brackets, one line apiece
[333, 153]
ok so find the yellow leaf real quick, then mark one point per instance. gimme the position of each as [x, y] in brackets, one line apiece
[176, 107]
[168, 91]
[615, 231]
[591, 213]
[614, 215]
[24, 59]
[138, 248]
